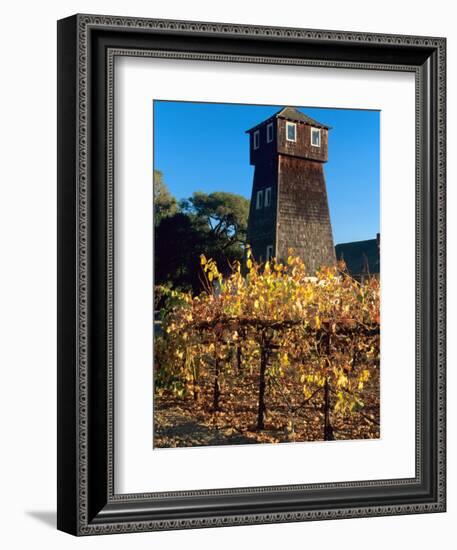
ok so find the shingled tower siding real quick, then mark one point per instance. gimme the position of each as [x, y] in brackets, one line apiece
[299, 216]
[262, 221]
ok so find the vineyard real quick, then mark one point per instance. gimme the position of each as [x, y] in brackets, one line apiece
[267, 354]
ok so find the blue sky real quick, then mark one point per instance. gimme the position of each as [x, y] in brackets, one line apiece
[204, 147]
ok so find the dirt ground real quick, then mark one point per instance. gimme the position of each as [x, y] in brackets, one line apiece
[185, 422]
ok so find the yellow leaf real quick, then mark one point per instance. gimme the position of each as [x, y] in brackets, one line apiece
[202, 259]
[342, 380]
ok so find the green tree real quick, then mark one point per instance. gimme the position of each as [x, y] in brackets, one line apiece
[212, 224]
[165, 205]
[177, 240]
[225, 213]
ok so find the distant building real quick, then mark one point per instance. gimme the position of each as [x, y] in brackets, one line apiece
[362, 258]
[289, 206]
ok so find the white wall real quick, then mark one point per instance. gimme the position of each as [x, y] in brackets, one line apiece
[28, 266]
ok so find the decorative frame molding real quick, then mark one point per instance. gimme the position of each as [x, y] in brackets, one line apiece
[88, 45]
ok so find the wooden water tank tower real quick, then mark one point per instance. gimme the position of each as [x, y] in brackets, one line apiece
[289, 206]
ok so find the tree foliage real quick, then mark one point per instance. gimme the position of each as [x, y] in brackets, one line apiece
[214, 224]
[165, 205]
[225, 213]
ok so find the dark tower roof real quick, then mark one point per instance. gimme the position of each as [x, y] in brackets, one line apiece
[291, 113]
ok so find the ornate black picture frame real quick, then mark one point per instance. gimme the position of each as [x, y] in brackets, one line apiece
[87, 47]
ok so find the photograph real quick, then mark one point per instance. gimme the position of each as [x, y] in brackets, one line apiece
[251, 274]
[266, 262]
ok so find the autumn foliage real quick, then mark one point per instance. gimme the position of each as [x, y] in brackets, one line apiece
[271, 353]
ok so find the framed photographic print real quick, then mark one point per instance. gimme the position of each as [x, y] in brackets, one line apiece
[251, 274]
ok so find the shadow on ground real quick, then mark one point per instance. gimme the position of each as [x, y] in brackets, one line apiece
[48, 517]
[176, 430]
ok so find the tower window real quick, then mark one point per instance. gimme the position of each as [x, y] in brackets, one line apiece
[269, 252]
[269, 132]
[259, 200]
[256, 139]
[291, 131]
[315, 137]
[267, 196]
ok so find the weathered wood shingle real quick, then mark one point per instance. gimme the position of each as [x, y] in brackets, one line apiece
[298, 216]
